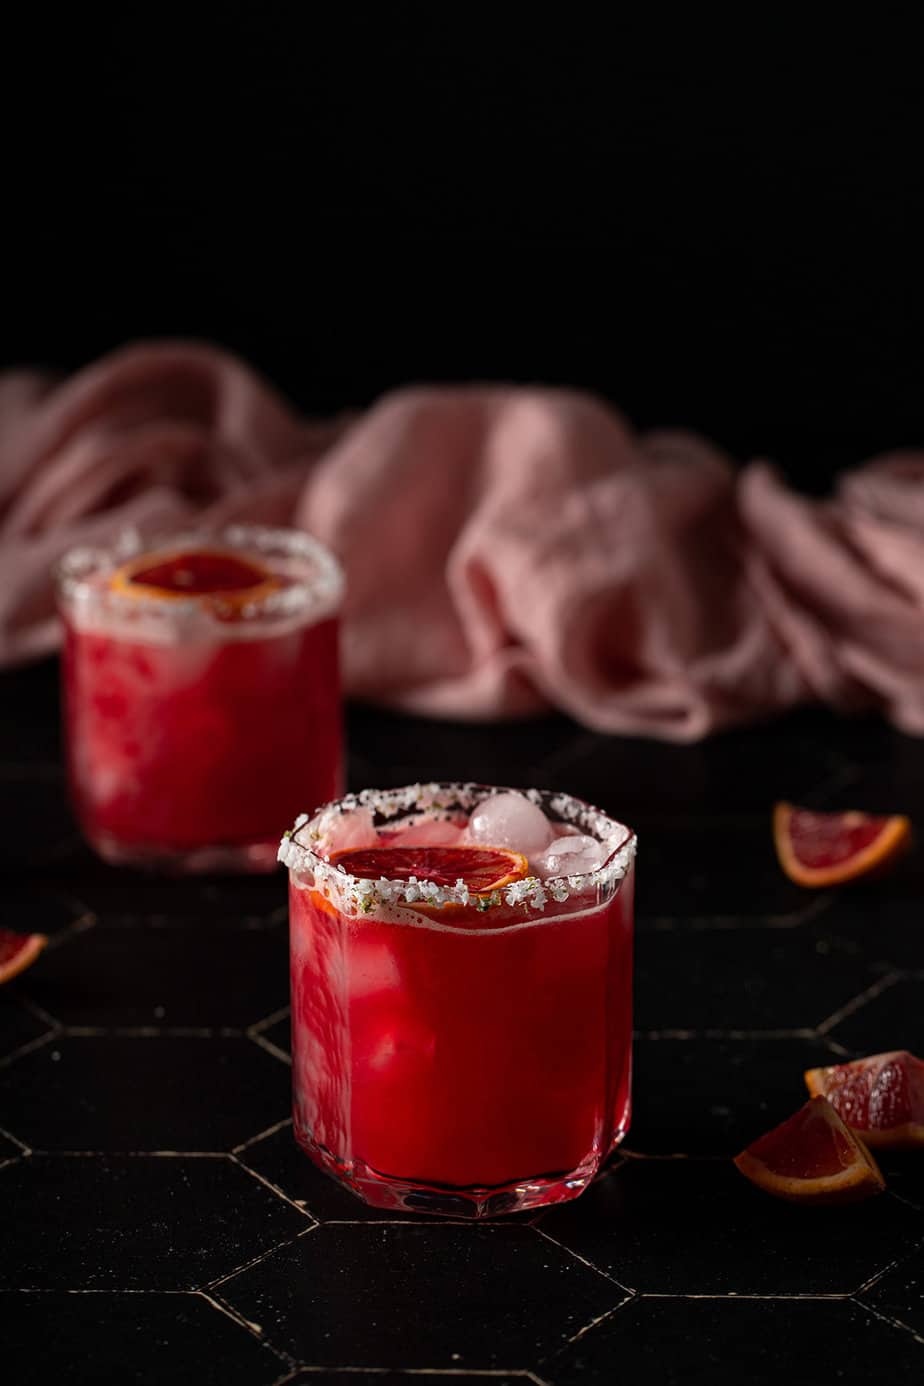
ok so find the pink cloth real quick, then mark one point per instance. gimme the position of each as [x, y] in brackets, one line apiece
[506, 549]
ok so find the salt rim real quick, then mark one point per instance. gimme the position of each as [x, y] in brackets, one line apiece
[357, 894]
[318, 592]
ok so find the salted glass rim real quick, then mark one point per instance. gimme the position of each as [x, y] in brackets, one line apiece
[312, 594]
[358, 895]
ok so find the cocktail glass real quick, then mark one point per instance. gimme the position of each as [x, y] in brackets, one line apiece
[201, 693]
[457, 1052]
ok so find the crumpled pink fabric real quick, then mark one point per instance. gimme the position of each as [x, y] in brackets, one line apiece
[506, 549]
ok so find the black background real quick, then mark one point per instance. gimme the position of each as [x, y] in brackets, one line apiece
[714, 225]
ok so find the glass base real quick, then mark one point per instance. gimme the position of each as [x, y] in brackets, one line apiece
[248, 859]
[414, 1196]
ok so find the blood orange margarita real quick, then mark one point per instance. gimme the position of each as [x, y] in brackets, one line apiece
[201, 694]
[461, 1006]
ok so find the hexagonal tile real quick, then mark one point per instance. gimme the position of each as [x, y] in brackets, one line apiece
[115, 976]
[279, 1034]
[134, 1222]
[697, 1227]
[715, 1096]
[900, 1293]
[875, 920]
[18, 1025]
[743, 979]
[892, 1020]
[705, 865]
[33, 909]
[904, 1174]
[83, 1093]
[711, 1342]
[315, 1377]
[9, 1150]
[134, 1340]
[41, 832]
[223, 901]
[312, 1297]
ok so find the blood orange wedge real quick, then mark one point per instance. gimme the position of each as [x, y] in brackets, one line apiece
[823, 849]
[880, 1098]
[195, 573]
[18, 951]
[483, 869]
[812, 1158]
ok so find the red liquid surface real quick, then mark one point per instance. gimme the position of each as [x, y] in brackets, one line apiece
[181, 746]
[469, 1059]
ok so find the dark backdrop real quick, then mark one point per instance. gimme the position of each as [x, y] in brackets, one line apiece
[716, 227]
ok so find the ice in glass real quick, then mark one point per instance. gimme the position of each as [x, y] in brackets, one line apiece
[461, 973]
[201, 693]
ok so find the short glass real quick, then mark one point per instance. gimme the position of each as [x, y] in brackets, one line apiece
[455, 1054]
[201, 693]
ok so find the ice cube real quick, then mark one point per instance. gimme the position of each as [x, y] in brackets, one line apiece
[569, 856]
[510, 820]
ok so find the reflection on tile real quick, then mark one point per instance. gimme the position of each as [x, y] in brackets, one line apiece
[134, 1222]
[710, 1342]
[114, 976]
[128, 1340]
[143, 1094]
[341, 1295]
[698, 1227]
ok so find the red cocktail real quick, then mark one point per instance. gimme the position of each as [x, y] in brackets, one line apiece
[201, 694]
[461, 995]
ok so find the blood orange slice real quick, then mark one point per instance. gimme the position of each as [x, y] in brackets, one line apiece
[880, 1098]
[195, 573]
[822, 849]
[18, 951]
[483, 869]
[812, 1158]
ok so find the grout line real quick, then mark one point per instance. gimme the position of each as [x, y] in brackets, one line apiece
[261, 1135]
[710, 1034]
[594, 1323]
[152, 1032]
[87, 920]
[899, 1260]
[134, 1154]
[887, 1318]
[267, 1045]
[273, 1188]
[11, 1160]
[29, 1048]
[254, 1329]
[857, 1002]
[257, 1260]
[626, 1289]
[259, 1025]
[41, 1014]
[734, 1294]
[697, 923]
[26, 1150]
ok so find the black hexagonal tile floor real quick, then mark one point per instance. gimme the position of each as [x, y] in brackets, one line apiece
[711, 1342]
[279, 1034]
[31, 909]
[697, 1227]
[894, 1019]
[312, 1376]
[313, 1297]
[112, 976]
[18, 1025]
[134, 1222]
[9, 1150]
[119, 895]
[717, 866]
[874, 918]
[703, 1096]
[131, 1093]
[900, 1293]
[749, 979]
[129, 1340]
[904, 1174]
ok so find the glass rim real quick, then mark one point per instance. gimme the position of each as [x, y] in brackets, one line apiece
[311, 595]
[362, 894]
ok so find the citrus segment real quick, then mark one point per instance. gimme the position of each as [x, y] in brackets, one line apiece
[18, 951]
[822, 849]
[881, 1098]
[482, 869]
[196, 573]
[812, 1158]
